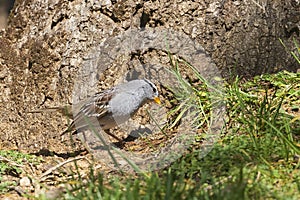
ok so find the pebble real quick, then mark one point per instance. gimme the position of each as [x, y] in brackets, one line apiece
[25, 182]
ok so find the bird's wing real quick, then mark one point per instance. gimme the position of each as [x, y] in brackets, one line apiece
[95, 106]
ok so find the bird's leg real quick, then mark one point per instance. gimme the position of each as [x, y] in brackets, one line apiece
[112, 135]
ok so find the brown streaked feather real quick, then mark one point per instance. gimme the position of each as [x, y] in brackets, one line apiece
[94, 107]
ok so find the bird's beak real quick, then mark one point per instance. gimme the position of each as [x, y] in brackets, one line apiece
[157, 100]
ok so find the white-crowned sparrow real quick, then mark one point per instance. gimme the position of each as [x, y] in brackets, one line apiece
[110, 107]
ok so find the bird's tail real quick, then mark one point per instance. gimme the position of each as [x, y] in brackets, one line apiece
[65, 110]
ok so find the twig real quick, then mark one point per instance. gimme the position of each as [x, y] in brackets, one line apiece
[49, 171]
[17, 189]
[262, 7]
[3, 159]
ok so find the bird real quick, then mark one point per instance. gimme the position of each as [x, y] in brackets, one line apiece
[113, 106]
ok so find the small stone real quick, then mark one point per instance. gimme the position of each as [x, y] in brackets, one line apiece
[25, 182]
[54, 194]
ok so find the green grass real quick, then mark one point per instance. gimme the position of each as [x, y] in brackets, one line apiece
[11, 163]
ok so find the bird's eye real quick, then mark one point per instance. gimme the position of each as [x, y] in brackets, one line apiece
[154, 90]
